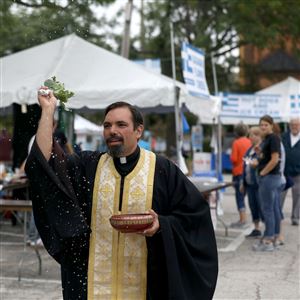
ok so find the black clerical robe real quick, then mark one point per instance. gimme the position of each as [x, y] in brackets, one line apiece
[182, 256]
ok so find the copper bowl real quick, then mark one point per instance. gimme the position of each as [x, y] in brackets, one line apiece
[131, 222]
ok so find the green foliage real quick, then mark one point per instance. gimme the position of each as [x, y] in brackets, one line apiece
[59, 90]
[46, 21]
[218, 27]
[6, 122]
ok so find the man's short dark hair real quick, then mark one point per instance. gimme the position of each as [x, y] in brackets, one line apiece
[137, 117]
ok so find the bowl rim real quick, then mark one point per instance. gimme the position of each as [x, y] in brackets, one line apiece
[120, 216]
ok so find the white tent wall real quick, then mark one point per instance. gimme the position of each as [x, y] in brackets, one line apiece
[88, 134]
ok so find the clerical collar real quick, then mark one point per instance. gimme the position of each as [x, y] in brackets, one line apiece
[123, 160]
[126, 164]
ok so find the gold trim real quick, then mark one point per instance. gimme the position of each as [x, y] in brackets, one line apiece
[128, 259]
[91, 263]
[116, 236]
[131, 222]
[114, 170]
[149, 199]
[120, 283]
[150, 183]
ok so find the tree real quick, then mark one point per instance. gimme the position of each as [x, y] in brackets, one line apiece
[47, 20]
[220, 28]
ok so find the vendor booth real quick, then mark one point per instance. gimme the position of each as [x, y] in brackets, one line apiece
[96, 76]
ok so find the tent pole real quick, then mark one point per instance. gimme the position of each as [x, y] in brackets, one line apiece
[176, 100]
[126, 35]
[219, 125]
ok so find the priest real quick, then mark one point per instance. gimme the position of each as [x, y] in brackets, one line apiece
[74, 196]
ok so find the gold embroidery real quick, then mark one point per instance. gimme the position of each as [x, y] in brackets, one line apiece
[118, 262]
[137, 193]
[106, 190]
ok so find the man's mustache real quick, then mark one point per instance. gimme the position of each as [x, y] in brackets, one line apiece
[114, 139]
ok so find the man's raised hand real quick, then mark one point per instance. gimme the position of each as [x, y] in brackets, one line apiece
[47, 99]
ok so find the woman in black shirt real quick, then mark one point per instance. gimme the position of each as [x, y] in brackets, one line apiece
[269, 181]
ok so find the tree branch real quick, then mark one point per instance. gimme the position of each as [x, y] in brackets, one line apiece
[221, 42]
[36, 5]
[238, 45]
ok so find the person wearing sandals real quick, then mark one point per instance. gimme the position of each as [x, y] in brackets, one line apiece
[250, 185]
[269, 182]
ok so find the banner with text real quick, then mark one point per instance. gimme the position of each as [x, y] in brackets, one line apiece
[294, 105]
[254, 106]
[193, 67]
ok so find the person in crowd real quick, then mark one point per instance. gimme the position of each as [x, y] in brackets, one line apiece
[291, 142]
[250, 181]
[61, 139]
[77, 146]
[239, 147]
[5, 146]
[269, 182]
[279, 239]
[74, 197]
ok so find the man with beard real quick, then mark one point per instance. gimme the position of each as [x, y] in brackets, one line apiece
[75, 195]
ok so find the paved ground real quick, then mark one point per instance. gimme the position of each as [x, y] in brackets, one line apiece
[243, 274]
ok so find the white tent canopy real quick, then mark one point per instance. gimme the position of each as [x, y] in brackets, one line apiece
[289, 91]
[96, 76]
[88, 134]
[285, 87]
[84, 126]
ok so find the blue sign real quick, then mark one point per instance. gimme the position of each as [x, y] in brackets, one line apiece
[185, 124]
[197, 138]
[151, 64]
[295, 105]
[193, 68]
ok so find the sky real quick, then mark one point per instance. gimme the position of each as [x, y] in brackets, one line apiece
[110, 12]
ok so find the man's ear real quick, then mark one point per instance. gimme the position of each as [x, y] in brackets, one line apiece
[139, 131]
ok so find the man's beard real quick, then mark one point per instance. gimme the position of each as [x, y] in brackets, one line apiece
[116, 151]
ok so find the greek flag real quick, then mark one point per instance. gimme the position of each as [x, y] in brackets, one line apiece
[193, 68]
